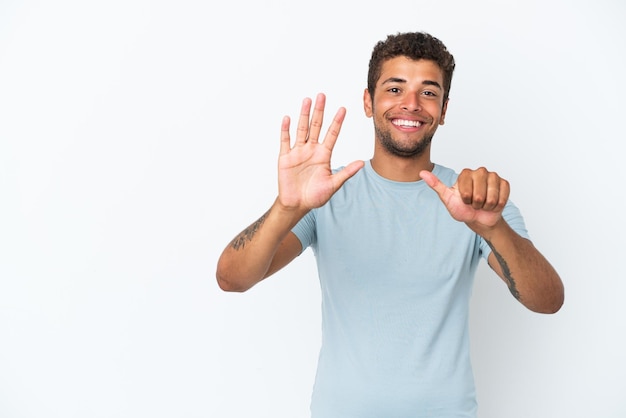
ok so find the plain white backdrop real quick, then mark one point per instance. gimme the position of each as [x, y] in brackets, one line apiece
[138, 137]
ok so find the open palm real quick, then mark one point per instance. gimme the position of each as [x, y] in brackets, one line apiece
[305, 177]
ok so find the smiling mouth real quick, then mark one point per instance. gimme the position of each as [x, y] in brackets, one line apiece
[404, 123]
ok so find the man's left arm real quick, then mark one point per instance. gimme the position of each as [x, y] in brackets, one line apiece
[478, 198]
[530, 277]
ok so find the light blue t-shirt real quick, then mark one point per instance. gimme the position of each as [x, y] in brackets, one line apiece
[396, 273]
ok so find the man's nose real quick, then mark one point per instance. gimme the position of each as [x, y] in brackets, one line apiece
[411, 102]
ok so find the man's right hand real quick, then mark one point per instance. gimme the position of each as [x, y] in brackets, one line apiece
[305, 178]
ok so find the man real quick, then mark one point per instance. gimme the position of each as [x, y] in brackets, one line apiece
[397, 245]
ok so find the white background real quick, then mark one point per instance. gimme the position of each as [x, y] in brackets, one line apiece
[138, 137]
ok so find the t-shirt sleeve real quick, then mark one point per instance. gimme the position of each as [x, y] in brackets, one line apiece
[513, 217]
[305, 230]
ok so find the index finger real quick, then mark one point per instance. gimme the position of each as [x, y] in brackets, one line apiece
[335, 127]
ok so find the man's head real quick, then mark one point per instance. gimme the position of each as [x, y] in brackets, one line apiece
[415, 46]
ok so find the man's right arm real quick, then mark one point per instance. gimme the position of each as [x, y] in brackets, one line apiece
[305, 182]
[260, 250]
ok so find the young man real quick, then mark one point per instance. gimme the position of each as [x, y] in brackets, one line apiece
[397, 245]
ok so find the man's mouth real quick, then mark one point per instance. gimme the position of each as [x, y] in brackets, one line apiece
[404, 123]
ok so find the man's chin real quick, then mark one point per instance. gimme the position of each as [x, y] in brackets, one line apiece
[405, 151]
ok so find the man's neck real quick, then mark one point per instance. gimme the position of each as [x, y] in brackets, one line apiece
[402, 169]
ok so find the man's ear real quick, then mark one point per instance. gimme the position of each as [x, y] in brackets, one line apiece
[443, 112]
[367, 103]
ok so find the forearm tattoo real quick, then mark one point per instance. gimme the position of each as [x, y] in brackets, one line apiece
[247, 234]
[506, 272]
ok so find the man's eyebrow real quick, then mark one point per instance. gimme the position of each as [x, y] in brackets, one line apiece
[402, 80]
[432, 83]
[393, 80]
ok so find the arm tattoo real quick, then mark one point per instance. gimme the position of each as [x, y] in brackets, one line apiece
[247, 234]
[506, 272]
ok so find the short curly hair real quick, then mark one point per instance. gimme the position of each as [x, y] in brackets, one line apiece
[415, 46]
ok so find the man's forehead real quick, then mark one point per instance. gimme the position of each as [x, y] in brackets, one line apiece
[401, 69]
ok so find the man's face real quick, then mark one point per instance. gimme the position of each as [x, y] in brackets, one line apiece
[407, 106]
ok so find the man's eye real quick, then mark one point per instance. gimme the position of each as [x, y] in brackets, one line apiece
[430, 93]
[394, 90]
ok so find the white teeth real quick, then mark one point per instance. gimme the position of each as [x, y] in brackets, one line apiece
[408, 123]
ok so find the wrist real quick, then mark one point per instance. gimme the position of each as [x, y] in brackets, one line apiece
[488, 232]
[293, 213]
